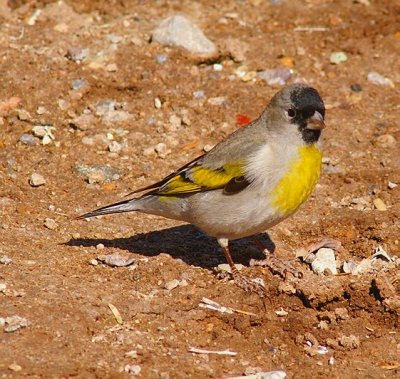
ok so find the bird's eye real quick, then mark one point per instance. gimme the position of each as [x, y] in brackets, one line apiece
[291, 113]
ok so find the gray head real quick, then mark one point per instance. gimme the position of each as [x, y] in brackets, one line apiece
[302, 106]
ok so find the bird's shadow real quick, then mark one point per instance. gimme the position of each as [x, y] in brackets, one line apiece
[184, 242]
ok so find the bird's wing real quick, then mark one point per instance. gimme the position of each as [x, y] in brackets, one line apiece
[195, 177]
[223, 167]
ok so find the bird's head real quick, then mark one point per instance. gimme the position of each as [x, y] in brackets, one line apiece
[302, 107]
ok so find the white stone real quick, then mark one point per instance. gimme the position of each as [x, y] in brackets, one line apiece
[37, 180]
[179, 31]
[324, 260]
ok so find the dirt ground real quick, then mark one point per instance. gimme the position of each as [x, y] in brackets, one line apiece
[111, 106]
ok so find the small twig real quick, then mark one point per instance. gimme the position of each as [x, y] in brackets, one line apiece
[210, 304]
[205, 351]
[116, 313]
[310, 29]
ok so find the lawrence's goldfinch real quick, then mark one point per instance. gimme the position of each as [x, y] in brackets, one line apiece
[249, 182]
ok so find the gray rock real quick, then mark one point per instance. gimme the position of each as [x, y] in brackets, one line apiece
[115, 260]
[179, 31]
[14, 323]
[28, 139]
[161, 58]
[78, 84]
[77, 54]
[276, 76]
[376, 78]
[198, 94]
[5, 260]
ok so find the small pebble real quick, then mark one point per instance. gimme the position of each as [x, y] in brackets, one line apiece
[41, 110]
[207, 148]
[37, 180]
[28, 139]
[198, 95]
[349, 342]
[78, 84]
[114, 147]
[379, 204]
[77, 54]
[338, 57]
[5, 260]
[172, 284]
[356, 87]
[133, 369]
[24, 115]
[115, 260]
[46, 140]
[392, 185]
[131, 354]
[14, 367]
[63, 104]
[218, 67]
[49, 223]
[379, 79]
[161, 58]
[99, 246]
[281, 313]
[112, 67]
[162, 150]
[157, 103]
[93, 262]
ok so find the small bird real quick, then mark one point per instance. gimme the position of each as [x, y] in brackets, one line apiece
[251, 181]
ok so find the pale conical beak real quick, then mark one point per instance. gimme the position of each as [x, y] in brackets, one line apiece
[316, 122]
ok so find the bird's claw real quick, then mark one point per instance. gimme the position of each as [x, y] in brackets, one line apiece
[249, 285]
[276, 265]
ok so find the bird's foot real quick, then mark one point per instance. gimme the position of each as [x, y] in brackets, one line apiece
[248, 284]
[276, 265]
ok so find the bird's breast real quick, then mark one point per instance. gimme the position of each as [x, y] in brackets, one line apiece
[298, 182]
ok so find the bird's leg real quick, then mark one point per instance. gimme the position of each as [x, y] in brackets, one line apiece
[240, 280]
[275, 264]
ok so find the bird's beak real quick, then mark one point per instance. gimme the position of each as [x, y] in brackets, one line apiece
[316, 122]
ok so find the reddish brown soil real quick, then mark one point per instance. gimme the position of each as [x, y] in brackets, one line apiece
[71, 330]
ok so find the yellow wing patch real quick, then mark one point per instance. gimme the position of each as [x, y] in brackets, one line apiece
[296, 186]
[199, 178]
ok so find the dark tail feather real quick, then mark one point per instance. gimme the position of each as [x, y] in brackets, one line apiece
[122, 206]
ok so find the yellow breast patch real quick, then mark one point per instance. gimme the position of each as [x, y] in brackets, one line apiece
[296, 186]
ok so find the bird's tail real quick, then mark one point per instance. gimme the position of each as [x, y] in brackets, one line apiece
[122, 206]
